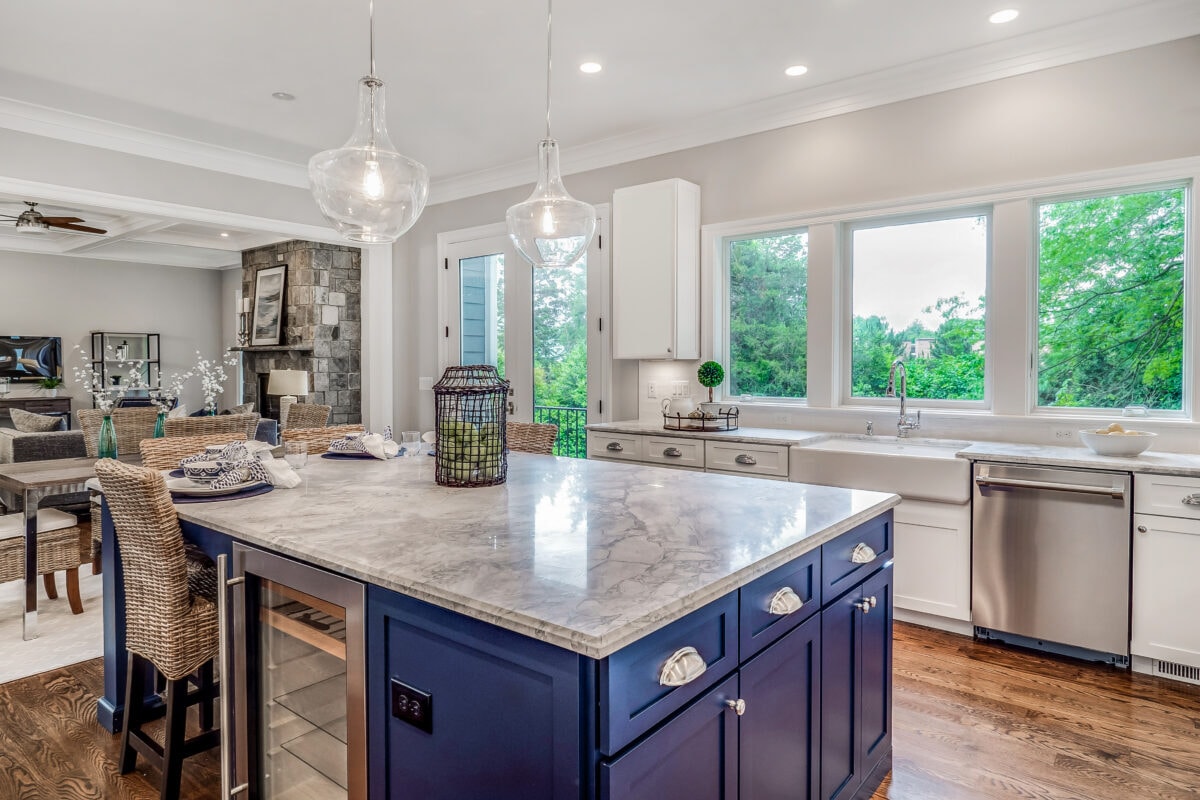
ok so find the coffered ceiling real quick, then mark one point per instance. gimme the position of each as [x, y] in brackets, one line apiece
[194, 81]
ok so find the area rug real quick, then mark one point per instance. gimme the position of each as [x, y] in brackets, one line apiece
[63, 638]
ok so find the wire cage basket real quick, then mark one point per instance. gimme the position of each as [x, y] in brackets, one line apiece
[471, 414]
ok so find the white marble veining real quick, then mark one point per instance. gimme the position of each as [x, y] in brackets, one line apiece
[741, 435]
[586, 555]
[1150, 462]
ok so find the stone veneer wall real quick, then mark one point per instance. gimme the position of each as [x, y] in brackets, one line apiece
[323, 311]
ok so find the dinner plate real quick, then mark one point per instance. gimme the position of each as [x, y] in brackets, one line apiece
[185, 487]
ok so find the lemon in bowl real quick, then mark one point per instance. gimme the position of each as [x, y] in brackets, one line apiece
[1116, 441]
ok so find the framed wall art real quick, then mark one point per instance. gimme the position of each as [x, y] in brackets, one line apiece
[269, 286]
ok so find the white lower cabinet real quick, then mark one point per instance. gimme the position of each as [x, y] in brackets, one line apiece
[933, 558]
[1166, 594]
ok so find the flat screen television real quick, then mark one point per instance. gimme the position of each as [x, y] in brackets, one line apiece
[30, 357]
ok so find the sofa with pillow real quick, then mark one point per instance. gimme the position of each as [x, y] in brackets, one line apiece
[37, 437]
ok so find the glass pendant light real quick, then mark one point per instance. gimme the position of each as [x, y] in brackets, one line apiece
[369, 192]
[551, 228]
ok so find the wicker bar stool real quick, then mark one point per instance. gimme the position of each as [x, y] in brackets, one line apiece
[308, 415]
[170, 621]
[166, 453]
[58, 549]
[531, 437]
[319, 438]
[202, 426]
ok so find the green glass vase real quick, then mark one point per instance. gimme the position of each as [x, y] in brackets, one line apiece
[108, 438]
[160, 425]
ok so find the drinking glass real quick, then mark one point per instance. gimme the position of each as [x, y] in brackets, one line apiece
[3, 387]
[411, 442]
[295, 454]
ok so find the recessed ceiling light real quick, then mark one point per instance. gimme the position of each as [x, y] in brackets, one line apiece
[795, 70]
[224, 234]
[590, 67]
[1006, 15]
[283, 95]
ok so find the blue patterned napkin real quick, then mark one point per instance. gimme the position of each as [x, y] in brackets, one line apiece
[355, 444]
[248, 469]
[234, 451]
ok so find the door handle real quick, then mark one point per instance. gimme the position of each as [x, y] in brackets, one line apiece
[225, 658]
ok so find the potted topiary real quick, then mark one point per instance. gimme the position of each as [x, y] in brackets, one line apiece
[50, 386]
[710, 375]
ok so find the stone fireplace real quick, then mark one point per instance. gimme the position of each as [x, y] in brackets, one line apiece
[321, 326]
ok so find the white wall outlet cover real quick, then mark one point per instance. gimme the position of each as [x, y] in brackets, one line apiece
[651, 390]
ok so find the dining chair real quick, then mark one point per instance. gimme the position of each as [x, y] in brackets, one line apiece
[130, 425]
[170, 621]
[222, 423]
[166, 453]
[58, 550]
[531, 437]
[318, 439]
[308, 415]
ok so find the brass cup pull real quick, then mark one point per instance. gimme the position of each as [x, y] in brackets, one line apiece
[863, 554]
[785, 602]
[749, 461]
[673, 452]
[683, 667]
[614, 447]
[737, 706]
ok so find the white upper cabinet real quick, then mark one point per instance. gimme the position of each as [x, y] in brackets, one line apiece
[656, 271]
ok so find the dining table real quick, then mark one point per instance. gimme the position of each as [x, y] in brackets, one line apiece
[34, 481]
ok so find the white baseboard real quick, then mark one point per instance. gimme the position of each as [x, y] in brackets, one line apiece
[961, 627]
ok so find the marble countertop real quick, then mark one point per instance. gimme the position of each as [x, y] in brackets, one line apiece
[742, 435]
[1150, 462]
[586, 555]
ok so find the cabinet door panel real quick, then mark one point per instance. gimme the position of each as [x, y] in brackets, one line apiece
[876, 665]
[692, 757]
[840, 689]
[780, 731]
[1165, 590]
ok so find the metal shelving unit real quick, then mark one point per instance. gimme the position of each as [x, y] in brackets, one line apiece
[107, 349]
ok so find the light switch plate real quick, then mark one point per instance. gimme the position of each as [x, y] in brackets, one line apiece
[651, 390]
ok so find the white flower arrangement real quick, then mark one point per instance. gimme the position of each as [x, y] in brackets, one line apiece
[212, 377]
[92, 381]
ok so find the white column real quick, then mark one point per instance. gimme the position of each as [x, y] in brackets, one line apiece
[378, 358]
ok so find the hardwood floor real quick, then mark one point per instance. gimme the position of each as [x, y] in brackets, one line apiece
[972, 720]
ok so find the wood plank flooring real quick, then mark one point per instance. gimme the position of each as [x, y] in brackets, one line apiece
[972, 720]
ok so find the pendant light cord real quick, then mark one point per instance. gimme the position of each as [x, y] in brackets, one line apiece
[549, 25]
[372, 12]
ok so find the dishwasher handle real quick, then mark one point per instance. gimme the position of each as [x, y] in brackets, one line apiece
[1115, 492]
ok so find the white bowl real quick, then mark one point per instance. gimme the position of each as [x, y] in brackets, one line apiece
[1117, 444]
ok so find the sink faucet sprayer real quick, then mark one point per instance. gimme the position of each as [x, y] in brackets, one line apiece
[905, 423]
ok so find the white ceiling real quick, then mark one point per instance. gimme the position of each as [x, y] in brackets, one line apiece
[465, 77]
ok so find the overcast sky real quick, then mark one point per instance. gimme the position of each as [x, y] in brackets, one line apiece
[901, 269]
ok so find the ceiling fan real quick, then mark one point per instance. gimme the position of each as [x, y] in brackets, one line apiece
[32, 221]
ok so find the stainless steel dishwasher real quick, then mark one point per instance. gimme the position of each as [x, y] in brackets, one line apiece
[1050, 559]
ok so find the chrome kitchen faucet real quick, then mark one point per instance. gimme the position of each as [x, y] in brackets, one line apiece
[905, 423]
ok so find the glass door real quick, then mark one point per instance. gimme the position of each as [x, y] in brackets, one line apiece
[302, 729]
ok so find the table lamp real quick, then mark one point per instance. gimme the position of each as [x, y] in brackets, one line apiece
[288, 383]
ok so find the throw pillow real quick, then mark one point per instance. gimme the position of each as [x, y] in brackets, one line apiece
[244, 408]
[178, 411]
[28, 422]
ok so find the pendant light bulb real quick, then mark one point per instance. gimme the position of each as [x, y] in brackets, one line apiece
[551, 228]
[367, 190]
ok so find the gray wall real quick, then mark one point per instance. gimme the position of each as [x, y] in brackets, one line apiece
[44, 295]
[1130, 108]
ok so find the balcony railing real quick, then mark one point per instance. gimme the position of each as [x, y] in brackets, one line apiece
[572, 435]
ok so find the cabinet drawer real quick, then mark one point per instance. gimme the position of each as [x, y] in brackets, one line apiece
[839, 571]
[673, 452]
[750, 459]
[1166, 495]
[632, 700]
[758, 625]
[48, 405]
[614, 445]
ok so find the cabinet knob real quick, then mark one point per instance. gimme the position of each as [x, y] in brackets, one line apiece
[614, 447]
[1191, 500]
[863, 554]
[673, 452]
[863, 606]
[1141, 528]
[737, 706]
[872, 600]
[745, 459]
[785, 602]
[683, 667]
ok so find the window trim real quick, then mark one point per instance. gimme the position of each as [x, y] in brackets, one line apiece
[722, 345]
[845, 273]
[1190, 307]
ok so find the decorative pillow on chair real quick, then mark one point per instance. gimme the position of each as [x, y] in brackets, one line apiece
[180, 410]
[28, 422]
[244, 408]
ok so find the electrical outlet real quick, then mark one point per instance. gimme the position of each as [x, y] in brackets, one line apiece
[651, 390]
[412, 706]
[1064, 434]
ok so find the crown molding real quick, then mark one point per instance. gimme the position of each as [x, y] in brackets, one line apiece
[1143, 26]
